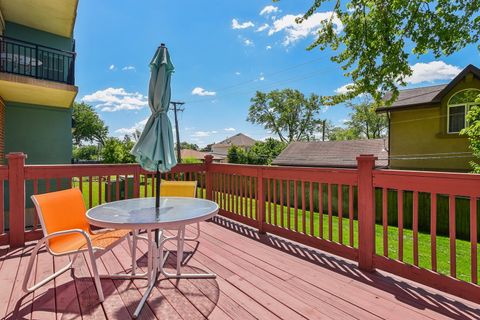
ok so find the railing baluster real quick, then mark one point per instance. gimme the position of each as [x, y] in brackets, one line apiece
[415, 228]
[90, 203]
[330, 219]
[224, 191]
[433, 229]
[275, 220]
[340, 213]
[385, 220]
[473, 239]
[295, 203]
[240, 184]
[400, 223]
[250, 196]
[289, 218]
[310, 186]
[282, 210]
[35, 213]
[99, 190]
[452, 235]
[117, 187]
[304, 218]
[109, 189]
[269, 207]
[351, 215]
[320, 210]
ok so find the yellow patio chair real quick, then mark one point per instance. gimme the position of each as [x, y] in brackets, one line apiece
[180, 189]
[67, 232]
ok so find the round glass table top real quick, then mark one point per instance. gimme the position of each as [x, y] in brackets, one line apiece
[140, 213]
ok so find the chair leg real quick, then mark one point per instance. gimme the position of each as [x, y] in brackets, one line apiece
[96, 276]
[28, 272]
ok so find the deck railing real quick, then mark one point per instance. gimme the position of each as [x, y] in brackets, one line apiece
[33, 60]
[334, 210]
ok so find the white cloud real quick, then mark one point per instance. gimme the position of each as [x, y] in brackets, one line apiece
[432, 71]
[230, 129]
[268, 10]
[248, 42]
[262, 27]
[237, 73]
[137, 126]
[115, 99]
[268, 47]
[127, 68]
[112, 67]
[237, 25]
[202, 134]
[295, 31]
[344, 89]
[198, 91]
[261, 78]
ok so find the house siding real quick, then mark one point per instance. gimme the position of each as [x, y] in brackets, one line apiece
[43, 133]
[422, 133]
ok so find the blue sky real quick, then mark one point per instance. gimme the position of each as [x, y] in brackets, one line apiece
[223, 52]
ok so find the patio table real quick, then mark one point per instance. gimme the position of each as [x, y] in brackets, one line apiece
[137, 214]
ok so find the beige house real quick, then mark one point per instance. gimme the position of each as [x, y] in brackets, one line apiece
[239, 140]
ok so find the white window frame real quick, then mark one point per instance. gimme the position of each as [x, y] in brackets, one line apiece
[466, 105]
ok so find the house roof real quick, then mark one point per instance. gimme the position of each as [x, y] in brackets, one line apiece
[239, 139]
[189, 153]
[430, 95]
[332, 153]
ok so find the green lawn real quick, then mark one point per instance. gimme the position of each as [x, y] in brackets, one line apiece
[424, 250]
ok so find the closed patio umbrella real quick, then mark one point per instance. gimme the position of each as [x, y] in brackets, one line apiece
[154, 150]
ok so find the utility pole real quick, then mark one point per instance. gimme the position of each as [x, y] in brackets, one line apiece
[323, 129]
[175, 110]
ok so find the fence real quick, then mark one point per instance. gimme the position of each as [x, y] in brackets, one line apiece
[330, 209]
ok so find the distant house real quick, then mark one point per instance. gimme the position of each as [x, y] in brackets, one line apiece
[240, 140]
[198, 155]
[425, 124]
[339, 154]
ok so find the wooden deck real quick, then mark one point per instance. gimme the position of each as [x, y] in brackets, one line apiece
[259, 277]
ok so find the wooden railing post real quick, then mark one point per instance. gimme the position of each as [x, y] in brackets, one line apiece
[366, 212]
[16, 182]
[208, 177]
[260, 201]
[136, 182]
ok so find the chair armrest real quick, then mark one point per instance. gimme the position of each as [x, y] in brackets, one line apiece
[70, 231]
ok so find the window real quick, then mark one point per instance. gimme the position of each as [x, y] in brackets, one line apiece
[458, 106]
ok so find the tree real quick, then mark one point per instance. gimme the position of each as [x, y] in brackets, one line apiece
[286, 113]
[373, 40]
[263, 153]
[87, 125]
[472, 131]
[339, 133]
[236, 155]
[365, 121]
[118, 151]
[89, 152]
[186, 145]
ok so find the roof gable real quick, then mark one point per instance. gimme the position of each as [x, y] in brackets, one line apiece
[239, 139]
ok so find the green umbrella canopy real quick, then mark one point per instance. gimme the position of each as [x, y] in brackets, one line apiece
[154, 149]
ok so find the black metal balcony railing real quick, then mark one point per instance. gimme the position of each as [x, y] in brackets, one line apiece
[37, 61]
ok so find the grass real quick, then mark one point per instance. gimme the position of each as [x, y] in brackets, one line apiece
[424, 242]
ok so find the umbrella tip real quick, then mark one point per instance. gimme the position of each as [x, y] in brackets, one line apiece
[162, 44]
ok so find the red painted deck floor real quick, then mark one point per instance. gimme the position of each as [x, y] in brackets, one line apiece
[259, 277]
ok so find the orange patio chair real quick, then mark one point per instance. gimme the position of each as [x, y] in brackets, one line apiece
[67, 232]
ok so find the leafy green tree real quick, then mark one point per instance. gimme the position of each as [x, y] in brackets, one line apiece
[186, 145]
[118, 151]
[365, 121]
[265, 152]
[373, 41]
[89, 152]
[472, 131]
[87, 125]
[236, 155]
[339, 133]
[286, 113]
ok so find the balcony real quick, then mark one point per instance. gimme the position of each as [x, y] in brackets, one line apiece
[289, 243]
[36, 61]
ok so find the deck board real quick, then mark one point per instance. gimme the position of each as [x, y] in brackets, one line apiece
[258, 277]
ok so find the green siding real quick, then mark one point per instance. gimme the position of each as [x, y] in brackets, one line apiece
[47, 39]
[43, 133]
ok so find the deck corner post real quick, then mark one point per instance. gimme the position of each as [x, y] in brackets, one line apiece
[16, 182]
[136, 181]
[366, 212]
[260, 201]
[208, 176]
